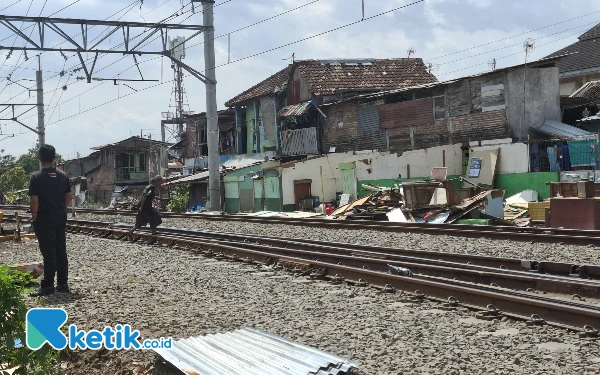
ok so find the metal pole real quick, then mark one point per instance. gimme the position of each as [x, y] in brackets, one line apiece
[149, 157]
[214, 178]
[40, 104]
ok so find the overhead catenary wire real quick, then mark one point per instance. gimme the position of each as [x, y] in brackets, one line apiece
[510, 55]
[87, 60]
[251, 56]
[15, 3]
[243, 28]
[517, 44]
[515, 35]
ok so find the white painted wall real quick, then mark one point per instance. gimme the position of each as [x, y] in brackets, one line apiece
[422, 161]
[380, 167]
[326, 167]
[513, 158]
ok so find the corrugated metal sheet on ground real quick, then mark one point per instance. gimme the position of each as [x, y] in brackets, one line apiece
[250, 351]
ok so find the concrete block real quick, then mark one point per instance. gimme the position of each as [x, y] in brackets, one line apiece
[474, 144]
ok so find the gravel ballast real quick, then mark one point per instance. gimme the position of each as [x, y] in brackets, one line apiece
[419, 241]
[170, 292]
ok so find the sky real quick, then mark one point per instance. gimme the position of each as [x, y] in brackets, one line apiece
[457, 37]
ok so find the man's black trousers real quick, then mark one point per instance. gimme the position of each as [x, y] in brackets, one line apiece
[50, 231]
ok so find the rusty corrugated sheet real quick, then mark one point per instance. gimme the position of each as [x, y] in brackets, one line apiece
[295, 110]
[250, 351]
[409, 113]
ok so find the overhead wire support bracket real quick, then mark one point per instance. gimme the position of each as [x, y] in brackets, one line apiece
[82, 45]
[192, 71]
[15, 117]
[88, 74]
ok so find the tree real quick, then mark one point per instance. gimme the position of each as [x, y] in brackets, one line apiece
[29, 161]
[6, 162]
[13, 179]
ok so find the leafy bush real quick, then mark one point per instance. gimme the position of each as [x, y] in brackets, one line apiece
[13, 179]
[12, 306]
[178, 200]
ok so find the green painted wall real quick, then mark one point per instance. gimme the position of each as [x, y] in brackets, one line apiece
[250, 126]
[514, 183]
[247, 184]
[244, 200]
[289, 207]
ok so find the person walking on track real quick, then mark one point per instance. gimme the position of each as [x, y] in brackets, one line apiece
[50, 192]
[146, 213]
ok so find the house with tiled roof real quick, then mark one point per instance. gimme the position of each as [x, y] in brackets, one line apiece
[282, 112]
[581, 63]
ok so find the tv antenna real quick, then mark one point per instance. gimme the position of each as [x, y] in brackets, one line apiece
[431, 67]
[492, 64]
[528, 46]
[411, 51]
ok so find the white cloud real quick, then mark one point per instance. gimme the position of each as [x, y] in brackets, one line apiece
[433, 28]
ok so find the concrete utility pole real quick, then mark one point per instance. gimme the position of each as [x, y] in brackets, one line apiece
[40, 104]
[214, 174]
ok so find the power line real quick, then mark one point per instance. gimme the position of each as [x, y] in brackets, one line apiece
[164, 20]
[248, 57]
[259, 22]
[512, 54]
[79, 65]
[16, 2]
[14, 42]
[323, 33]
[517, 44]
[151, 59]
[133, 4]
[516, 35]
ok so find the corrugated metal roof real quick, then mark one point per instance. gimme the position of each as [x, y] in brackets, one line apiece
[559, 129]
[224, 169]
[250, 351]
[295, 110]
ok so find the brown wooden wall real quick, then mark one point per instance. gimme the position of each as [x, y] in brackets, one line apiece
[409, 113]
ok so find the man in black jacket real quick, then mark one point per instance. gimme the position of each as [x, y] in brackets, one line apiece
[50, 192]
[146, 213]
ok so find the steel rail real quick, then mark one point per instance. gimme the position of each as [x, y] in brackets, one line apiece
[568, 314]
[543, 267]
[373, 260]
[542, 235]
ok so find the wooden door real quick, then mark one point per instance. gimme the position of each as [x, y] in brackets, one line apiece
[302, 188]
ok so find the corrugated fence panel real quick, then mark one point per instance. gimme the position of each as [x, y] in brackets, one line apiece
[299, 142]
[413, 112]
[367, 119]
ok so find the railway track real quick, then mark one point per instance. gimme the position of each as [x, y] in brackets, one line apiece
[524, 293]
[528, 234]
[533, 290]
